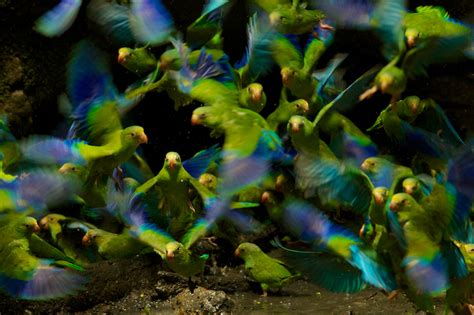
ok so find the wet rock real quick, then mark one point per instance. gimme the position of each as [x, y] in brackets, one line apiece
[202, 301]
[169, 284]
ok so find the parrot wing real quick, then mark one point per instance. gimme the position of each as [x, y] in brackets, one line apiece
[57, 20]
[150, 21]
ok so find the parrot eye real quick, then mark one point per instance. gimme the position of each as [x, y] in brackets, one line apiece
[405, 202]
[132, 134]
[51, 219]
[202, 116]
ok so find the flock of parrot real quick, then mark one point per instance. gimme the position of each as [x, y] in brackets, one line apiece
[348, 215]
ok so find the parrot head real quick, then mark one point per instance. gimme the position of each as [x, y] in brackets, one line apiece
[402, 204]
[391, 80]
[74, 169]
[413, 106]
[289, 76]
[124, 55]
[173, 250]
[51, 219]
[90, 237]
[28, 225]
[170, 60]
[245, 250]
[300, 107]
[289, 20]
[372, 165]
[412, 36]
[204, 115]
[296, 124]
[267, 197]
[137, 59]
[134, 135]
[209, 181]
[51, 222]
[380, 195]
[172, 161]
[255, 97]
[411, 186]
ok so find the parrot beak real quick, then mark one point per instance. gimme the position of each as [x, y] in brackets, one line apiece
[409, 190]
[256, 96]
[295, 128]
[265, 197]
[36, 228]
[86, 241]
[285, 79]
[169, 255]
[361, 231]
[44, 223]
[378, 199]
[279, 184]
[62, 169]
[143, 139]
[195, 120]
[394, 206]
[172, 164]
[163, 66]
[122, 56]
[305, 106]
[384, 85]
[364, 166]
[237, 253]
[411, 41]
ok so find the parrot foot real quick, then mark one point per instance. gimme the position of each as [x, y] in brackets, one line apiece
[368, 94]
[211, 240]
[191, 206]
[191, 285]
[265, 293]
[392, 295]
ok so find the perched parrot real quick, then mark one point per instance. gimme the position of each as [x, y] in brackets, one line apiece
[113, 246]
[270, 273]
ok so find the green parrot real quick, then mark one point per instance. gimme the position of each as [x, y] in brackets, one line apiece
[297, 69]
[177, 256]
[66, 233]
[270, 273]
[285, 110]
[23, 274]
[291, 18]
[113, 246]
[96, 119]
[412, 42]
[137, 60]
[175, 204]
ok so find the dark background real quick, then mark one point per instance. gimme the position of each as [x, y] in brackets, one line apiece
[33, 75]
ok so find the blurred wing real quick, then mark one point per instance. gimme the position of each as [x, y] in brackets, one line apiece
[199, 163]
[150, 21]
[434, 50]
[435, 120]
[327, 73]
[57, 20]
[112, 20]
[334, 181]
[387, 20]
[347, 13]
[350, 96]
[330, 272]
[257, 59]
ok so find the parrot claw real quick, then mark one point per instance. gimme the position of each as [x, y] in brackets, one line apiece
[190, 205]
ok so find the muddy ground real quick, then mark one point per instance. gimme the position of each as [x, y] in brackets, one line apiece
[142, 286]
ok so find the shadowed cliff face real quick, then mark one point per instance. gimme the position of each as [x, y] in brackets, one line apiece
[33, 69]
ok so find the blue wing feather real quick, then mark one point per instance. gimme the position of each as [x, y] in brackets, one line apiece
[57, 20]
